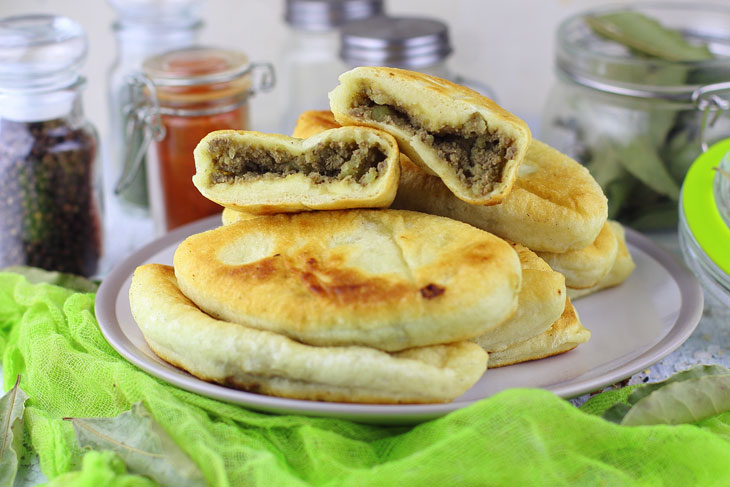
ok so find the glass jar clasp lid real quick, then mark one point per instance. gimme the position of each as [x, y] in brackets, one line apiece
[708, 98]
[142, 114]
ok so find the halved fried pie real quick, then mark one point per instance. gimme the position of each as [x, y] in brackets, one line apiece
[347, 167]
[453, 132]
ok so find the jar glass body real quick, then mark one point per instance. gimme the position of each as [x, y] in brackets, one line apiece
[50, 182]
[633, 121]
[309, 69]
[638, 150]
[715, 283]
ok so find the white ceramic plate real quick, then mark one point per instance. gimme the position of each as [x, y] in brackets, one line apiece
[634, 325]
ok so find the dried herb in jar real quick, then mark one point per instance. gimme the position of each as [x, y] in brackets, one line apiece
[49, 215]
[642, 175]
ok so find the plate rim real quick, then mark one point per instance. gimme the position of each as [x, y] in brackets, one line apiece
[688, 318]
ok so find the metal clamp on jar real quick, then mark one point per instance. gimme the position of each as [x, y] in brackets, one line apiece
[144, 28]
[179, 98]
[638, 121]
[50, 186]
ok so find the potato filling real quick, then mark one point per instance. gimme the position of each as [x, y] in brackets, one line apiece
[328, 161]
[477, 155]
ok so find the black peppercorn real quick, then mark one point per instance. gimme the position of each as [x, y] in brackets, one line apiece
[49, 214]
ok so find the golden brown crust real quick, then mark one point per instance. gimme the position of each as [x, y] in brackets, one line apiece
[541, 301]
[382, 278]
[555, 205]
[437, 103]
[621, 269]
[229, 216]
[584, 268]
[271, 193]
[313, 122]
[268, 363]
[564, 335]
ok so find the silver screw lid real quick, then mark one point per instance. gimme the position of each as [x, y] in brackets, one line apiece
[401, 42]
[322, 15]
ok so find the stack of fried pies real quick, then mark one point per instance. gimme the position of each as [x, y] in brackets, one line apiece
[389, 252]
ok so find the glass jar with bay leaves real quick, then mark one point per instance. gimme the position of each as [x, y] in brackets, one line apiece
[641, 92]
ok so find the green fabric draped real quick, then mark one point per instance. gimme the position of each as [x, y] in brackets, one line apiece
[525, 437]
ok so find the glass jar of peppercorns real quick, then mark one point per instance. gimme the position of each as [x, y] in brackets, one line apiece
[49, 183]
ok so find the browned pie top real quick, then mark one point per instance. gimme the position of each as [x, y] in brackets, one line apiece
[384, 278]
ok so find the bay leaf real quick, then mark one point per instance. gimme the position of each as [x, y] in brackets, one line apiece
[12, 407]
[616, 412]
[641, 159]
[680, 152]
[144, 446]
[604, 165]
[691, 373]
[686, 397]
[615, 181]
[35, 275]
[646, 35]
[682, 402]
[618, 193]
[659, 123]
[658, 217]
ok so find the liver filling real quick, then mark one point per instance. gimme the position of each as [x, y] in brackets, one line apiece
[476, 154]
[327, 161]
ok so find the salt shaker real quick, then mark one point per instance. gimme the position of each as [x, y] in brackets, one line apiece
[414, 43]
[310, 63]
[50, 185]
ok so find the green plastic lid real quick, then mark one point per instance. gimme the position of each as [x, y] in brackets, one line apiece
[701, 207]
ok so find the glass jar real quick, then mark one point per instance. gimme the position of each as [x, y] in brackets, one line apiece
[182, 96]
[637, 122]
[143, 29]
[704, 222]
[50, 185]
[310, 63]
[414, 43]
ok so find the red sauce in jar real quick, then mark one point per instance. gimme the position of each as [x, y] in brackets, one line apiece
[189, 112]
[183, 202]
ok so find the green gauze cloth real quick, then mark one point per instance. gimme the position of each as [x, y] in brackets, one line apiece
[520, 437]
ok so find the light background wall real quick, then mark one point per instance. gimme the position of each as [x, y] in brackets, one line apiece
[507, 44]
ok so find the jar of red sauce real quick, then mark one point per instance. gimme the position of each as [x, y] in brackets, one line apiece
[180, 97]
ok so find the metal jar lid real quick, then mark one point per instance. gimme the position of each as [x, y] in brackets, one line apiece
[321, 15]
[401, 42]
